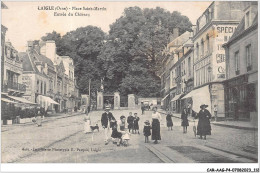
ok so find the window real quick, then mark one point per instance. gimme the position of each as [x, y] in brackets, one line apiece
[189, 65]
[237, 61]
[41, 88]
[248, 56]
[198, 51]
[247, 20]
[207, 43]
[44, 87]
[202, 48]
[184, 67]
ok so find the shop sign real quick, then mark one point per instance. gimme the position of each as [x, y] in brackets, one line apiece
[27, 81]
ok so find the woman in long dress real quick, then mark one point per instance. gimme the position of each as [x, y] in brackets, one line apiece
[156, 118]
[204, 127]
[87, 123]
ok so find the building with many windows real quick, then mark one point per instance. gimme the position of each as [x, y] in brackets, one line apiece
[36, 74]
[213, 28]
[242, 68]
[181, 72]
[171, 74]
[49, 78]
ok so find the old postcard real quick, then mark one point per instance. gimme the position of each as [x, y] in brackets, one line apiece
[130, 82]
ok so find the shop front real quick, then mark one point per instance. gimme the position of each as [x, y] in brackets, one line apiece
[240, 98]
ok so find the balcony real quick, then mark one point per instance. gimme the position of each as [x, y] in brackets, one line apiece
[13, 86]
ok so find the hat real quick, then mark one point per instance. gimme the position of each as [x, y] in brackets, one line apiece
[107, 107]
[203, 105]
[122, 117]
[147, 122]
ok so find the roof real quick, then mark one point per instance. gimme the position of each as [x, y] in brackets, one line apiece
[29, 60]
[27, 65]
[241, 30]
[180, 40]
[43, 58]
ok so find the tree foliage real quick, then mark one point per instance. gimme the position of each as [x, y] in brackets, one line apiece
[128, 57]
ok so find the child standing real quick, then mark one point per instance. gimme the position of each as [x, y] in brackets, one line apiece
[169, 120]
[39, 119]
[130, 121]
[135, 122]
[147, 131]
[185, 121]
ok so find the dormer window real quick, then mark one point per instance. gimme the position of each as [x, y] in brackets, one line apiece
[247, 19]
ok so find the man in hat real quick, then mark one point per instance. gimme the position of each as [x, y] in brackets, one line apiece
[106, 118]
[204, 127]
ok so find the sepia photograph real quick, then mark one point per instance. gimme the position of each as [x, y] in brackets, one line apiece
[130, 82]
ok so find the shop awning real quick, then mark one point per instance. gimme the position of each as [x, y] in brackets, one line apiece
[176, 97]
[199, 96]
[22, 100]
[165, 97]
[47, 99]
[7, 100]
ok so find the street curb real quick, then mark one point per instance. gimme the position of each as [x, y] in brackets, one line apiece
[235, 127]
[44, 121]
[223, 125]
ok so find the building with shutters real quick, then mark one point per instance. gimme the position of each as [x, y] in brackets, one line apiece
[241, 88]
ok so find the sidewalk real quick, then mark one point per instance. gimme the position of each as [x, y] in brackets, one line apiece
[45, 120]
[230, 124]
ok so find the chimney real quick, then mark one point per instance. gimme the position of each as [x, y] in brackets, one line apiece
[50, 51]
[36, 46]
[175, 34]
[29, 45]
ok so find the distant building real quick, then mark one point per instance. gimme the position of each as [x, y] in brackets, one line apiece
[241, 88]
[37, 71]
[12, 80]
[174, 67]
[3, 32]
[66, 93]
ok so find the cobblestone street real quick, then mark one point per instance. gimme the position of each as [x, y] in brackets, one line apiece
[66, 142]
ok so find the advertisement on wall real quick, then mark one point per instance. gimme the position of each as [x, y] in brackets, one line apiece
[27, 81]
[224, 33]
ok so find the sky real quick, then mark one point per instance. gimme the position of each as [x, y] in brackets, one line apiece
[26, 21]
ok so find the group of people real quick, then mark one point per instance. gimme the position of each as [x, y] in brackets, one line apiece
[117, 131]
[204, 116]
[121, 135]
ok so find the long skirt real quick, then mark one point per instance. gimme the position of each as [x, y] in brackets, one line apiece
[87, 128]
[169, 123]
[156, 130]
[185, 122]
[204, 127]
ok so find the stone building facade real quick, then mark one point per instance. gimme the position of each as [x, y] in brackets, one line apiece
[241, 86]
[213, 28]
[49, 76]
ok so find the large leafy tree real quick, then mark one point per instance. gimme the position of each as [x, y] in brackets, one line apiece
[134, 47]
[83, 45]
[128, 57]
